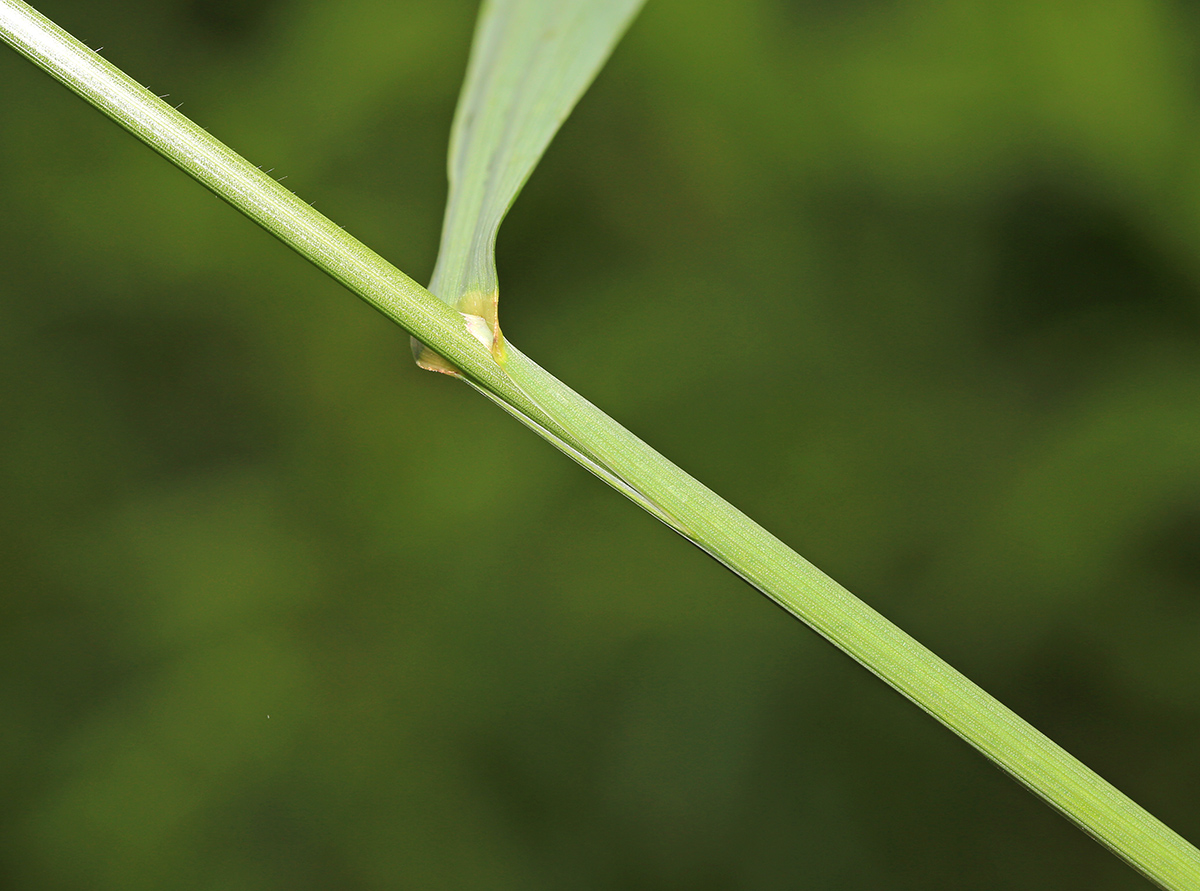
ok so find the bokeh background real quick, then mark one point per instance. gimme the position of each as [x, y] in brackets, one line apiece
[915, 284]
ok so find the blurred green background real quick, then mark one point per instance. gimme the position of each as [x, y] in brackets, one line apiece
[915, 284]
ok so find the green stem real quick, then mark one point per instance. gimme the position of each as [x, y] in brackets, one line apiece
[621, 459]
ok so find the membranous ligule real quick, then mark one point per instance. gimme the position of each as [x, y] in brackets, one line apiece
[479, 312]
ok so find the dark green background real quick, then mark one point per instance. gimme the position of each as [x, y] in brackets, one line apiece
[915, 284]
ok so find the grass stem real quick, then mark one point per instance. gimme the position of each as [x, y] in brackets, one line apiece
[621, 459]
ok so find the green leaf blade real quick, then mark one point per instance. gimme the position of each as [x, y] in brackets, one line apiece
[531, 60]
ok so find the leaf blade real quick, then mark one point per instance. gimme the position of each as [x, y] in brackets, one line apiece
[531, 61]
